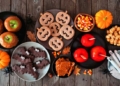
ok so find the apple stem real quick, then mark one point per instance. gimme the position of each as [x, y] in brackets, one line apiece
[11, 24]
[92, 39]
[83, 56]
[103, 55]
[7, 38]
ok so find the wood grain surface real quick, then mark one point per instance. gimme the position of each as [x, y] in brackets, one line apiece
[33, 8]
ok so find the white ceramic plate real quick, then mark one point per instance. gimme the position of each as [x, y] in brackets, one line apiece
[112, 70]
[42, 72]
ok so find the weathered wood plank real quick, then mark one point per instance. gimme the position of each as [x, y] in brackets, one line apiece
[54, 81]
[37, 83]
[99, 5]
[15, 81]
[51, 4]
[69, 6]
[4, 80]
[70, 81]
[83, 80]
[34, 7]
[83, 6]
[98, 79]
[96, 6]
[113, 81]
[4, 6]
[114, 8]
[19, 7]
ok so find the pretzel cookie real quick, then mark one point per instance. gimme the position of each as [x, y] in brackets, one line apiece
[56, 43]
[55, 27]
[67, 32]
[63, 18]
[43, 33]
[46, 19]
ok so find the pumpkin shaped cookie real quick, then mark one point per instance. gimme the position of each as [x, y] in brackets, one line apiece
[46, 19]
[63, 18]
[43, 33]
[55, 27]
[56, 43]
[67, 32]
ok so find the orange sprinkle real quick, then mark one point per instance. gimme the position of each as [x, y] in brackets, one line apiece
[54, 54]
[85, 72]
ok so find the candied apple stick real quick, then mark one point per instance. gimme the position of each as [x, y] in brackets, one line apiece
[83, 56]
[92, 39]
[104, 55]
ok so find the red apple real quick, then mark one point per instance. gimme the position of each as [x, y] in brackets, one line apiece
[98, 53]
[88, 40]
[80, 55]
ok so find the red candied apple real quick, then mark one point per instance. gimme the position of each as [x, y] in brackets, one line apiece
[80, 55]
[98, 53]
[88, 40]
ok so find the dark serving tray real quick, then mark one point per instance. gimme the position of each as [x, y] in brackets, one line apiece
[89, 64]
[45, 43]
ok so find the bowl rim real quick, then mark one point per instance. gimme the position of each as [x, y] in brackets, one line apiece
[53, 66]
[87, 15]
[47, 53]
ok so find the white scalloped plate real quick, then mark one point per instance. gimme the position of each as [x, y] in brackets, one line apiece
[112, 70]
[42, 72]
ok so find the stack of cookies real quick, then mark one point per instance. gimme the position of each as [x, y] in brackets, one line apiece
[26, 58]
[53, 28]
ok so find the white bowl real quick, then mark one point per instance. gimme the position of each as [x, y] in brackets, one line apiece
[42, 72]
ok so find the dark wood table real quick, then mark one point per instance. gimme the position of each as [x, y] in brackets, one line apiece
[24, 8]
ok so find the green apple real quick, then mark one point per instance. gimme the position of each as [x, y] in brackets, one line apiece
[13, 24]
[8, 38]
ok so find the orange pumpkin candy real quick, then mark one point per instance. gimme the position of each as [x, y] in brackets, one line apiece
[103, 19]
[4, 59]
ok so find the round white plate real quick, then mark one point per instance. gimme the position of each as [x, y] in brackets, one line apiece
[112, 70]
[42, 72]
